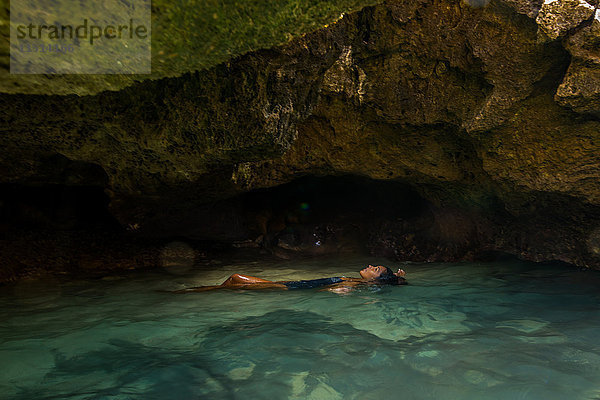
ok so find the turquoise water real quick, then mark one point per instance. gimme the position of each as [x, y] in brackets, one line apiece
[502, 330]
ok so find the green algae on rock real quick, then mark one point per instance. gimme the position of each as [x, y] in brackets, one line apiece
[187, 36]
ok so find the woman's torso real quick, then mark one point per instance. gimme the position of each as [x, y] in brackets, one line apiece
[312, 283]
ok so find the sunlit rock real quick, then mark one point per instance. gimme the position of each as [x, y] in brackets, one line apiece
[557, 17]
[531, 8]
[580, 89]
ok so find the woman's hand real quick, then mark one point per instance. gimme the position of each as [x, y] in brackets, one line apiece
[343, 287]
[340, 290]
[400, 273]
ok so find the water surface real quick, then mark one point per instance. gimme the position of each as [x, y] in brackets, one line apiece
[502, 330]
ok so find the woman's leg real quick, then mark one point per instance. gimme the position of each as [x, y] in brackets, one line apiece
[238, 279]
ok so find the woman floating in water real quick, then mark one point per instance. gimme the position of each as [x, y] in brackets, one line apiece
[369, 275]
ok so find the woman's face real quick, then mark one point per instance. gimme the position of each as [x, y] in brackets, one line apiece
[372, 272]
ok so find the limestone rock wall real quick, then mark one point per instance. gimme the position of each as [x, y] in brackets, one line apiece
[491, 113]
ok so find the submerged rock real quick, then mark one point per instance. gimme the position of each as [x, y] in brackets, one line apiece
[523, 325]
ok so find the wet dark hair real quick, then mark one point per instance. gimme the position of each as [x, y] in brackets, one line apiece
[388, 277]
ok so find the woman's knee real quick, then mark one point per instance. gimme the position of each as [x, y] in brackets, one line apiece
[244, 279]
[235, 278]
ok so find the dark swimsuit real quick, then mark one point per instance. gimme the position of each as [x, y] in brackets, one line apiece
[312, 283]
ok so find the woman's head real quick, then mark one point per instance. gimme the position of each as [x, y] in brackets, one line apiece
[380, 274]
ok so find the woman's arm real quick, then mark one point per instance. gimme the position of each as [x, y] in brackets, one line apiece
[343, 287]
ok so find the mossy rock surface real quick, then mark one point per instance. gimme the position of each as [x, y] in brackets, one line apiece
[187, 36]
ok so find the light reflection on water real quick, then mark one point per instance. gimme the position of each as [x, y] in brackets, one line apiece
[501, 330]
